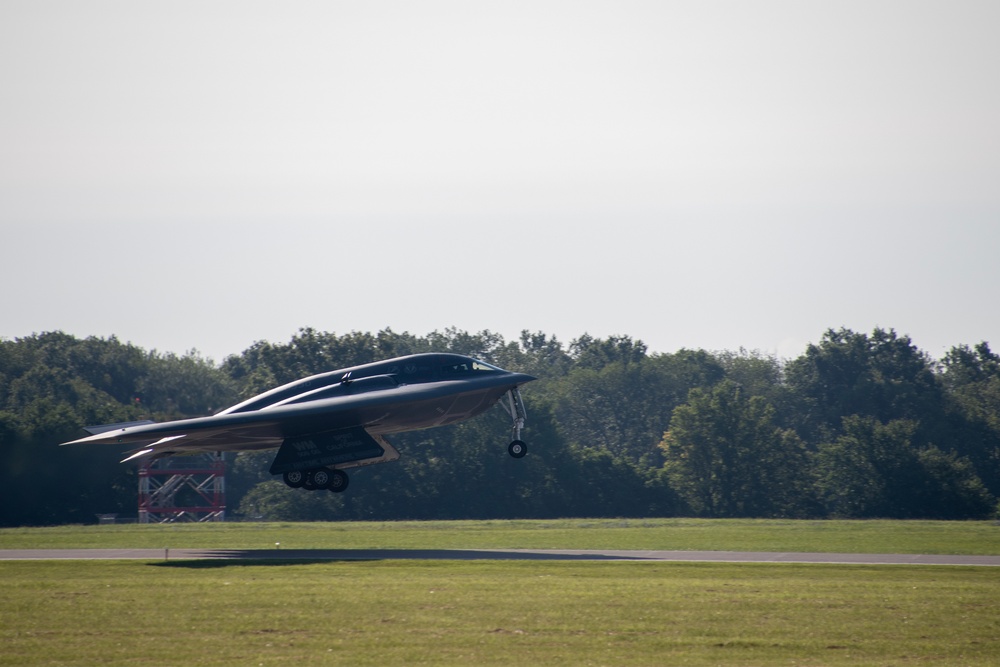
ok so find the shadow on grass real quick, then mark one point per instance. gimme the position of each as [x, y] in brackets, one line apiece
[214, 558]
[213, 563]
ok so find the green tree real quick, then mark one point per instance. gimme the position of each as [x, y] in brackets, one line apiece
[893, 433]
[966, 366]
[266, 365]
[870, 470]
[726, 457]
[761, 374]
[595, 353]
[874, 469]
[951, 488]
[175, 387]
[52, 385]
[883, 376]
[624, 406]
[972, 379]
[542, 355]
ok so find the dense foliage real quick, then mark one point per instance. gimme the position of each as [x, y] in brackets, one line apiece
[860, 425]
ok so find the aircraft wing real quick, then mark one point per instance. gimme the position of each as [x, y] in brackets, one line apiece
[186, 436]
[258, 429]
[321, 416]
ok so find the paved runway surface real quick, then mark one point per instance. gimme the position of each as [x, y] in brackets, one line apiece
[492, 554]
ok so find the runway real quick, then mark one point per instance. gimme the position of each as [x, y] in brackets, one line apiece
[495, 554]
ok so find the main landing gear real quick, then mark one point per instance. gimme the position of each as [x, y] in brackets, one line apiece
[511, 402]
[317, 479]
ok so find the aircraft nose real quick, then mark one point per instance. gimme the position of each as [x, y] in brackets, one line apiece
[522, 378]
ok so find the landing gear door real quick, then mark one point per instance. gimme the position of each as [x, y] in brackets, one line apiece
[347, 448]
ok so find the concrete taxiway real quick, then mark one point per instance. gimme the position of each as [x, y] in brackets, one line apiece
[495, 554]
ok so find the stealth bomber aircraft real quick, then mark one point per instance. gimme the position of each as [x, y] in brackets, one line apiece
[325, 424]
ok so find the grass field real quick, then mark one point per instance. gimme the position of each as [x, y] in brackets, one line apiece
[396, 612]
[932, 537]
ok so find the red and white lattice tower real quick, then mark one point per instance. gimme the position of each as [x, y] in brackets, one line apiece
[183, 488]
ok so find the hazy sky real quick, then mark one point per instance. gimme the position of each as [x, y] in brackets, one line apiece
[694, 174]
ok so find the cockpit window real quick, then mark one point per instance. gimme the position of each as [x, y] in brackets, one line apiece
[471, 366]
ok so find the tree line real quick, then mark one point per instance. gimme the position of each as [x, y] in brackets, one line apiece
[860, 425]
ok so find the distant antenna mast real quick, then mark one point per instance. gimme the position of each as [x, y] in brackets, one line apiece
[183, 489]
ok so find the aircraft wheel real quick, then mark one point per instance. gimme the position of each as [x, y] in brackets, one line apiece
[517, 449]
[309, 484]
[321, 477]
[338, 481]
[294, 479]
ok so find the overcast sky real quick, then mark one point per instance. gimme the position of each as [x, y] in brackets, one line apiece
[694, 174]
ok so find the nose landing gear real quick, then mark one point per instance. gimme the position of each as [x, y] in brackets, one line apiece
[517, 449]
[512, 404]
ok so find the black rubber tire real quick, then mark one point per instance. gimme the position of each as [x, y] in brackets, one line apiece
[308, 484]
[294, 478]
[321, 477]
[338, 481]
[517, 449]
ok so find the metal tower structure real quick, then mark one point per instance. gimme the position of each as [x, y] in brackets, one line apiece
[183, 489]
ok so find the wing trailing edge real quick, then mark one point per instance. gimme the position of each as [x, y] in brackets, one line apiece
[104, 428]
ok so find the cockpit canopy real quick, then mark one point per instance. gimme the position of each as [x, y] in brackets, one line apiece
[369, 377]
[470, 366]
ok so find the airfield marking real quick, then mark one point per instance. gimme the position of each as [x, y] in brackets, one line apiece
[498, 554]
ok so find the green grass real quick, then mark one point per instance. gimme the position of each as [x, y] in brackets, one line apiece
[396, 612]
[494, 613]
[932, 537]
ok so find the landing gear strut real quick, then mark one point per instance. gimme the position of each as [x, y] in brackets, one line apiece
[511, 402]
